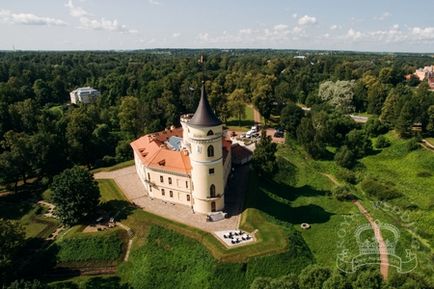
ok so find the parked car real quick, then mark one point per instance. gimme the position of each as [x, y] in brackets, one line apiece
[279, 132]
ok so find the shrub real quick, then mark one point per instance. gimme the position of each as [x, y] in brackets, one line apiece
[375, 188]
[412, 145]
[382, 142]
[347, 175]
[343, 193]
[345, 157]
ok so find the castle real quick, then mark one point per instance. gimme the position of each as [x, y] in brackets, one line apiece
[188, 165]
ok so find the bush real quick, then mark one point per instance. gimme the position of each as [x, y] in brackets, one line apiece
[382, 142]
[347, 175]
[375, 188]
[412, 145]
[343, 193]
[345, 157]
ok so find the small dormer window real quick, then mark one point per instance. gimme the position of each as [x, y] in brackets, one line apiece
[210, 132]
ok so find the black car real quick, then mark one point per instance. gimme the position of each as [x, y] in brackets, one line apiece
[279, 132]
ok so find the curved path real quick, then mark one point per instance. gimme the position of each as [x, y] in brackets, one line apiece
[384, 256]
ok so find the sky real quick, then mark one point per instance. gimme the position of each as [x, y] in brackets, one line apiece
[368, 25]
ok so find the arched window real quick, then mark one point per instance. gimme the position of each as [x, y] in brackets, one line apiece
[212, 191]
[170, 180]
[210, 132]
[210, 151]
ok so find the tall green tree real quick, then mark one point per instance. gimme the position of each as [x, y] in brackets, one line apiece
[237, 104]
[338, 94]
[264, 158]
[131, 116]
[290, 118]
[11, 240]
[76, 195]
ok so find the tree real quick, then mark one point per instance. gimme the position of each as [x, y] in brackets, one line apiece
[131, 116]
[264, 158]
[237, 104]
[338, 94]
[76, 195]
[377, 94]
[263, 97]
[313, 277]
[17, 158]
[382, 142]
[11, 240]
[79, 135]
[370, 278]
[359, 143]
[336, 281]
[290, 118]
[345, 157]
[430, 125]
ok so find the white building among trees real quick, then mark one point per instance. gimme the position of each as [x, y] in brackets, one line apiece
[188, 165]
[84, 95]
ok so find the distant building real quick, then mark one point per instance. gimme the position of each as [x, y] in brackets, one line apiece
[424, 73]
[84, 95]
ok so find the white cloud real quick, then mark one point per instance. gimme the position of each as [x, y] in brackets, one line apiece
[104, 24]
[294, 15]
[28, 19]
[76, 11]
[281, 27]
[246, 31]
[425, 33]
[176, 35]
[306, 20]
[154, 2]
[333, 27]
[383, 16]
[353, 34]
[87, 21]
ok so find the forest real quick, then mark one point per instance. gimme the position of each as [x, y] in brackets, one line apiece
[146, 91]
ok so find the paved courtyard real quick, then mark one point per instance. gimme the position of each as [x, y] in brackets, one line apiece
[134, 191]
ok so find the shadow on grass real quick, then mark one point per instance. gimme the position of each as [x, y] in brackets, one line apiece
[106, 283]
[275, 200]
[119, 209]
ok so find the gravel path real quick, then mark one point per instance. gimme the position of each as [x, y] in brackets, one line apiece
[134, 191]
[384, 256]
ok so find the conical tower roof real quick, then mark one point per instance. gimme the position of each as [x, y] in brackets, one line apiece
[204, 115]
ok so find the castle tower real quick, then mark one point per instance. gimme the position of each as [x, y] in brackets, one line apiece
[204, 136]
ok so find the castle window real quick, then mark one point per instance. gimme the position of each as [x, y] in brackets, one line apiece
[188, 198]
[186, 184]
[171, 194]
[211, 171]
[210, 132]
[149, 176]
[161, 179]
[212, 191]
[163, 192]
[170, 180]
[210, 151]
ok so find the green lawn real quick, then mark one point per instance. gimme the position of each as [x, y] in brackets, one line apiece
[110, 191]
[115, 167]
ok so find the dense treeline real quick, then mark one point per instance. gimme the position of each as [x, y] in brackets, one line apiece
[145, 91]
